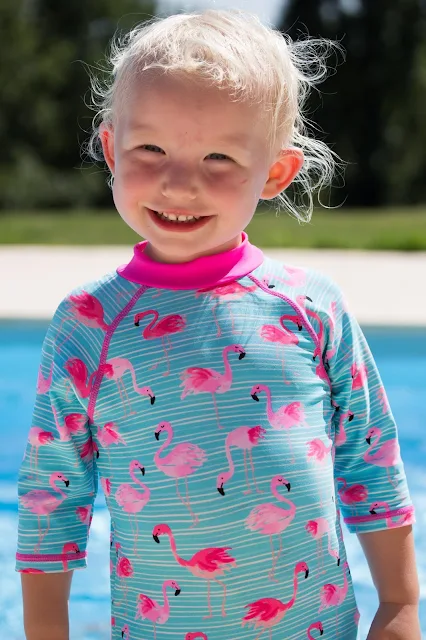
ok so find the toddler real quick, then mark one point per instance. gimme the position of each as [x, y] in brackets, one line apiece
[228, 403]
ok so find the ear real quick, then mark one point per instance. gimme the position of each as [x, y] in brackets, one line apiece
[282, 172]
[106, 134]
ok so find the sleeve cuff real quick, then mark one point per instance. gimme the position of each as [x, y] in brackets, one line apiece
[373, 521]
[50, 563]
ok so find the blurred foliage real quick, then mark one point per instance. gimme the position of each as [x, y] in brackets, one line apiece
[45, 46]
[372, 110]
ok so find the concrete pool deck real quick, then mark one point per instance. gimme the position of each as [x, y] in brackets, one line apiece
[382, 288]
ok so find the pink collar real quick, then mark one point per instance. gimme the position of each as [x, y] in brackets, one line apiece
[201, 273]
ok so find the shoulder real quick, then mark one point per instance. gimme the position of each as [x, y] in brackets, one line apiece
[84, 316]
[296, 279]
[106, 296]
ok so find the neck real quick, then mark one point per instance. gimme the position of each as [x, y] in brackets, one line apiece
[137, 481]
[164, 445]
[281, 498]
[166, 607]
[227, 263]
[291, 602]
[228, 455]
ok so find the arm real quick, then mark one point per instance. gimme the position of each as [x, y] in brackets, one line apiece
[371, 485]
[57, 485]
[45, 597]
[391, 558]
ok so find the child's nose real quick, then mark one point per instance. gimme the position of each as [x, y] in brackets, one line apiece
[179, 183]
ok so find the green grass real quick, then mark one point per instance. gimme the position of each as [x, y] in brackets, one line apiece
[379, 229]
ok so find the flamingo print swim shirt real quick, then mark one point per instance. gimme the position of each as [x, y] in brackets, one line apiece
[233, 412]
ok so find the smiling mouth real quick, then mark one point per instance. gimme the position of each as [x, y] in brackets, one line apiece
[178, 221]
[177, 218]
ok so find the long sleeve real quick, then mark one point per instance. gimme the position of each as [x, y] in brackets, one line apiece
[57, 478]
[369, 474]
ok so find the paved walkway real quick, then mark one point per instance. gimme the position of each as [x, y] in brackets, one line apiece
[383, 288]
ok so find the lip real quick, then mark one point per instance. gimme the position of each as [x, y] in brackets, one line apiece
[184, 227]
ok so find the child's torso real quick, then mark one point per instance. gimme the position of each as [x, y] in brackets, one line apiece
[213, 424]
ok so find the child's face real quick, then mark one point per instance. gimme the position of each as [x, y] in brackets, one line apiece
[183, 148]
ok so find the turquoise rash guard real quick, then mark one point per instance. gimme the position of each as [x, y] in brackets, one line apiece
[233, 412]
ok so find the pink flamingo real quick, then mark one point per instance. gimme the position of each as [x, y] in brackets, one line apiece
[353, 494]
[318, 452]
[341, 437]
[38, 438]
[118, 367]
[131, 500]
[151, 610]
[108, 435]
[315, 625]
[84, 514]
[73, 423]
[44, 384]
[268, 612]
[405, 518]
[106, 486]
[180, 462]
[285, 417]
[226, 293]
[86, 310]
[318, 529]
[125, 632]
[43, 503]
[208, 563]
[271, 333]
[89, 450]
[387, 455]
[244, 438]
[78, 372]
[164, 328]
[196, 634]
[297, 277]
[332, 595]
[271, 520]
[382, 398]
[359, 375]
[69, 547]
[123, 569]
[198, 380]
[330, 353]
[297, 318]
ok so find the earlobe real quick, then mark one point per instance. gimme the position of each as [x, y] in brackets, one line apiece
[282, 172]
[106, 134]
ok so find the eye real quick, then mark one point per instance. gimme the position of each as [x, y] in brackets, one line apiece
[151, 147]
[219, 156]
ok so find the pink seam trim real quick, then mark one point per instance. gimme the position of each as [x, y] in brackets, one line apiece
[104, 352]
[300, 313]
[379, 516]
[53, 557]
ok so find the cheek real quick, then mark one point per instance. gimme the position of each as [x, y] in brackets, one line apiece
[134, 176]
[231, 184]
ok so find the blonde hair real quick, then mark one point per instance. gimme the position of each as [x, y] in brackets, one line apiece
[232, 50]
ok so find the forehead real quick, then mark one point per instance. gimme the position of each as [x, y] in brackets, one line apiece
[189, 108]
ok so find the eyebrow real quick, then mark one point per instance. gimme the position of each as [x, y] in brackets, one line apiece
[239, 139]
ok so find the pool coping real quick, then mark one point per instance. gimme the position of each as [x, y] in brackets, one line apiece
[382, 288]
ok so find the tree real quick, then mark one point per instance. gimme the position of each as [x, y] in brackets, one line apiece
[369, 109]
[44, 46]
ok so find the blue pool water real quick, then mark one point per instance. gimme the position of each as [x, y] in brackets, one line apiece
[401, 358]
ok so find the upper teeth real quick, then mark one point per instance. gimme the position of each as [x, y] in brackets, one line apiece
[177, 218]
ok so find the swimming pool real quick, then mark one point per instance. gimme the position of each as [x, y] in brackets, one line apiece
[401, 358]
